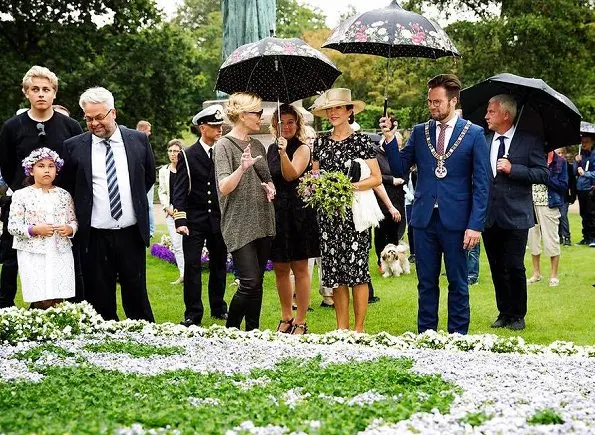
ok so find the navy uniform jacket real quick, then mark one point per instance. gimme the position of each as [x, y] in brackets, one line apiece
[462, 195]
[195, 199]
[511, 197]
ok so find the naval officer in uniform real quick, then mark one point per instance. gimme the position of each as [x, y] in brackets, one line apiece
[198, 218]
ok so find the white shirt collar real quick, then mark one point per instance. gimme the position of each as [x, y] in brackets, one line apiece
[205, 146]
[452, 122]
[508, 134]
[116, 137]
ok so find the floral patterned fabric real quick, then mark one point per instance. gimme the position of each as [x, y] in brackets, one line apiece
[540, 196]
[391, 32]
[31, 206]
[345, 251]
[277, 69]
[46, 264]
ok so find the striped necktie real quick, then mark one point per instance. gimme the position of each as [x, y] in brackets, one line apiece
[441, 138]
[112, 182]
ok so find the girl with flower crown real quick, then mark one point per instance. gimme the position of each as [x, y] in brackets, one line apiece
[42, 221]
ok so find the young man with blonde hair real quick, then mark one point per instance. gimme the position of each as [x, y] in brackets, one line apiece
[39, 126]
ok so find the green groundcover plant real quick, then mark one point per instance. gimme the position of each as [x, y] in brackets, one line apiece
[293, 394]
[66, 370]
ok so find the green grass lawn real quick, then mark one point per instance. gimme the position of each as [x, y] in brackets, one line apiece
[563, 313]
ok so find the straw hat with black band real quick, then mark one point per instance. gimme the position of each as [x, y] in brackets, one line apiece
[334, 98]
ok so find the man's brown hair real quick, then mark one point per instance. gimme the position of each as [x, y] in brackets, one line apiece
[449, 82]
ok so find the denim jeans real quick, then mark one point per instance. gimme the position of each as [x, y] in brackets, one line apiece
[564, 227]
[473, 263]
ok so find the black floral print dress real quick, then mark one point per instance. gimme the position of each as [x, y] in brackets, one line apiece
[345, 251]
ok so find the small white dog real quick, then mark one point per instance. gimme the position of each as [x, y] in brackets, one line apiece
[394, 261]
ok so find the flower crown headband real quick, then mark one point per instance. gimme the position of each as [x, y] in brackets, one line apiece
[41, 154]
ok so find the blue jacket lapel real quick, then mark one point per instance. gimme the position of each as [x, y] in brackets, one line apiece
[433, 133]
[455, 133]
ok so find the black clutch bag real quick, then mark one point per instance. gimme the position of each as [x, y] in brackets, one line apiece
[355, 171]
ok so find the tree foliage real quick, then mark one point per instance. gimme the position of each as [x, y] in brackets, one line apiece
[150, 67]
[293, 19]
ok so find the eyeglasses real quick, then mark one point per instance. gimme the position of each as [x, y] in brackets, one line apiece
[173, 151]
[437, 103]
[259, 113]
[98, 118]
[40, 128]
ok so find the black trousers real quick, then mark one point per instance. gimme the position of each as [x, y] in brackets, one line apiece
[112, 254]
[10, 270]
[586, 202]
[250, 262]
[193, 244]
[505, 250]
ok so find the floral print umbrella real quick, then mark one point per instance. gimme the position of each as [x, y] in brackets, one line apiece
[391, 32]
[277, 69]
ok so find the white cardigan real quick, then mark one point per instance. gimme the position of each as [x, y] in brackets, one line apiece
[163, 190]
[366, 212]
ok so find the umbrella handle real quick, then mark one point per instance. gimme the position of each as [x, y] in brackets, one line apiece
[385, 105]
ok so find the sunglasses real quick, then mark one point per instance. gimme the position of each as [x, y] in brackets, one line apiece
[40, 128]
[259, 113]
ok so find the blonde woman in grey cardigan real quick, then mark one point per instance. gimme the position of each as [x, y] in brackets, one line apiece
[246, 191]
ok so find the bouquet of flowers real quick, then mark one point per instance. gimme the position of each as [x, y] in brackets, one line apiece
[330, 193]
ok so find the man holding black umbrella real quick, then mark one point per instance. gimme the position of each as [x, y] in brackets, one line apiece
[518, 160]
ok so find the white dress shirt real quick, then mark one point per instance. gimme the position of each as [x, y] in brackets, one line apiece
[101, 216]
[447, 135]
[206, 147]
[496, 145]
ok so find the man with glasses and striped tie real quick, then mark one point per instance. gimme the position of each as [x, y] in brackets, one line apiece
[36, 127]
[109, 171]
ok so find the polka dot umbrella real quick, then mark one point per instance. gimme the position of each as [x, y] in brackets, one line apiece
[277, 69]
[391, 32]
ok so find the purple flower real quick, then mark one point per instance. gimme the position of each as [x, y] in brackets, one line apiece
[163, 253]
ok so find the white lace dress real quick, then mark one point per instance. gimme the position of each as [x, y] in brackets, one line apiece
[46, 264]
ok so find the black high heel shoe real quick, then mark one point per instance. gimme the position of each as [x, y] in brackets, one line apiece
[299, 329]
[289, 324]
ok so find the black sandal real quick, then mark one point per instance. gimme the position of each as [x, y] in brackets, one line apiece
[289, 324]
[303, 328]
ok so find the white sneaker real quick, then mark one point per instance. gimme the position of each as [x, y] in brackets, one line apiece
[180, 280]
[534, 279]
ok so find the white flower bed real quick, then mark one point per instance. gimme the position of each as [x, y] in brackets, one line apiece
[507, 387]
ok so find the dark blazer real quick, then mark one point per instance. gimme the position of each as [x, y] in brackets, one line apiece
[462, 195]
[201, 204]
[511, 200]
[77, 173]
[395, 193]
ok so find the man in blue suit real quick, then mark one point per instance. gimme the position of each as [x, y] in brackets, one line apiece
[451, 197]
[517, 160]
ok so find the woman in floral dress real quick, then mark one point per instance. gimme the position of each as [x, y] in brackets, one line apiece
[345, 251]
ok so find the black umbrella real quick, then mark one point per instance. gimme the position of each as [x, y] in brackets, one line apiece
[275, 69]
[542, 110]
[391, 32]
